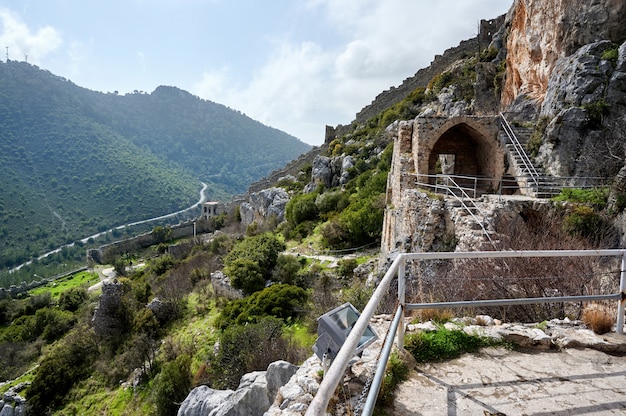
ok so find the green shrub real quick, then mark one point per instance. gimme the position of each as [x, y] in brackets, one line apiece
[444, 344]
[301, 208]
[247, 348]
[281, 301]
[332, 202]
[71, 299]
[287, 268]
[346, 267]
[611, 54]
[596, 112]
[584, 221]
[172, 385]
[246, 275]
[396, 372]
[534, 142]
[66, 364]
[596, 197]
[262, 249]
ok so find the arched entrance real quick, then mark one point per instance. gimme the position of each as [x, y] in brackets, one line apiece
[465, 146]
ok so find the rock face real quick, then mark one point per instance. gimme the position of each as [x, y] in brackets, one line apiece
[543, 31]
[254, 395]
[264, 204]
[12, 403]
[330, 172]
[585, 94]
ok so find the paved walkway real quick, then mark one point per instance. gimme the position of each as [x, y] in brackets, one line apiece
[502, 382]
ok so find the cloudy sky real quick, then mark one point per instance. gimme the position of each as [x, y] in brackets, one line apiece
[296, 65]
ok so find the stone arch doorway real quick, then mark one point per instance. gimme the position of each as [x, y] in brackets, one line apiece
[456, 153]
[462, 146]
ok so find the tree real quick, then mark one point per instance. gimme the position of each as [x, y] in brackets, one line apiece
[281, 301]
[287, 268]
[245, 275]
[262, 249]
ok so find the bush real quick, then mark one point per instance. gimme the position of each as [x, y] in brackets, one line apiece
[301, 208]
[444, 344]
[287, 268]
[67, 363]
[247, 348]
[598, 318]
[172, 385]
[596, 197]
[583, 221]
[71, 299]
[245, 275]
[395, 373]
[262, 249]
[281, 301]
[596, 112]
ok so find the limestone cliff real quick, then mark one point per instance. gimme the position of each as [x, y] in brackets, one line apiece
[540, 32]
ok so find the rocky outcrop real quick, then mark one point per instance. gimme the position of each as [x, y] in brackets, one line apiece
[578, 106]
[329, 172]
[264, 204]
[254, 395]
[12, 403]
[543, 31]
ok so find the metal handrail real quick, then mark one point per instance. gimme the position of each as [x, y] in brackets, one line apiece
[338, 367]
[519, 149]
[470, 212]
[575, 182]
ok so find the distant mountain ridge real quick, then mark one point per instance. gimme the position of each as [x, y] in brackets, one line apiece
[75, 161]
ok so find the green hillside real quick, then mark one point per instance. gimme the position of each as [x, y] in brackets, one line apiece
[75, 161]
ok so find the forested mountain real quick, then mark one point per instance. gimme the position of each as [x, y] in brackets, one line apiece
[75, 161]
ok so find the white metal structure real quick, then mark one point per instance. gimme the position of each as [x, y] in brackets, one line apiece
[337, 369]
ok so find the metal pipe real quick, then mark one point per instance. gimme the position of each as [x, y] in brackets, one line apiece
[506, 254]
[505, 302]
[619, 328]
[340, 363]
[401, 300]
[372, 395]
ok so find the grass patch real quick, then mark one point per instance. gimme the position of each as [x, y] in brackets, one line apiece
[301, 335]
[60, 285]
[596, 197]
[444, 344]
[598, 318]
[396, 372]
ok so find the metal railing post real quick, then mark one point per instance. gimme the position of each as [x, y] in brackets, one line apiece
[401, 301]
[619, 328]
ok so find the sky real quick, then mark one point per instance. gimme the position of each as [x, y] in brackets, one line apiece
[296, 65]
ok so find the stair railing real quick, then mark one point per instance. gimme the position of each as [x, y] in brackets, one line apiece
[520, 151]
[469, 210]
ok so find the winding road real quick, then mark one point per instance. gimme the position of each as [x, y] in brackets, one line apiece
[86, 239]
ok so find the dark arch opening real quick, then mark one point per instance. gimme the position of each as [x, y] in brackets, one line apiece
[459, 151]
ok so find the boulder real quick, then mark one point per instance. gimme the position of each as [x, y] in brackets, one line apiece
[202, 401]
[253, 396]
[263, 205]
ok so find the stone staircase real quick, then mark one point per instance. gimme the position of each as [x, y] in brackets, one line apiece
[531, 179]
[473, 223]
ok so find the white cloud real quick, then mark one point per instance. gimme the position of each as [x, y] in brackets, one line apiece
[284, 93]
[21, 41]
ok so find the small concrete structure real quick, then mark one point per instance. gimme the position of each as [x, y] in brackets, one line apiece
[211, 209]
